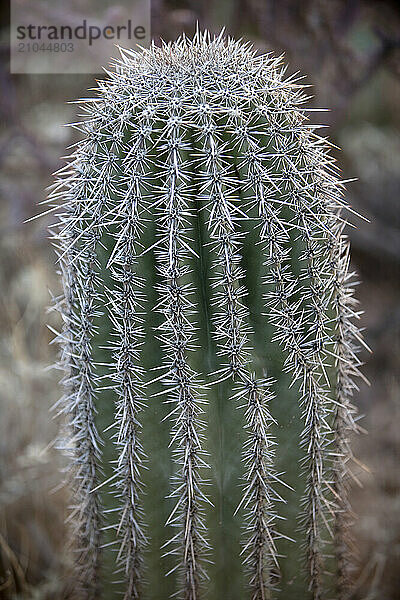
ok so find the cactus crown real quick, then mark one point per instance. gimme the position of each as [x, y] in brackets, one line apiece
[199, 182]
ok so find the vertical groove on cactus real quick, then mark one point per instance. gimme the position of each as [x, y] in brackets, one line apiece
[176, 334]
[303, 328]
[311, 360]
[271, 193]
[290, 334]
[322, 237]
[206, 144]
[232, 336]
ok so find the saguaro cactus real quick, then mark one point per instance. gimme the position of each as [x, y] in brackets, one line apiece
[208, 341]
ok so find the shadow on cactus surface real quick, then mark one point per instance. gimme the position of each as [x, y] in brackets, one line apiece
[208, 341]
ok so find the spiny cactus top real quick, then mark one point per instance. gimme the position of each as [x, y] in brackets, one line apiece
[204, 265]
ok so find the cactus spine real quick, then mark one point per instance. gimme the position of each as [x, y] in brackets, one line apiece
[205, 141]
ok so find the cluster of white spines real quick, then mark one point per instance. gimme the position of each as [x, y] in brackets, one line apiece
[76, 247]
[250, 135]
[286, 315]
[125, 308]
[276, 183]
[176, 334]
[219, 190]
[348, 341]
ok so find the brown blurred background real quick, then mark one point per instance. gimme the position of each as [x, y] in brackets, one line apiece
[350, 51]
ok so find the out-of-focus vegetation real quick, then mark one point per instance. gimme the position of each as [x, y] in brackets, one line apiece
[350, 52]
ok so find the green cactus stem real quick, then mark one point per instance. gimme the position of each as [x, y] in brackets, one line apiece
[209, 345]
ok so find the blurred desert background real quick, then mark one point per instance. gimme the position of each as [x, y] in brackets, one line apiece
[350, 52]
